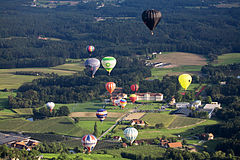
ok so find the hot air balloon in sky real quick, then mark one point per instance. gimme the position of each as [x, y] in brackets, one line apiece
[89, 142]
[185, 80]
[50, 105]
[109, 63]
[134, 87]
[133, 97]
[93, 64]
[123, 103]
[101, 114]
[110, 86]
[151, 18]
[130, 134]
[90, 49]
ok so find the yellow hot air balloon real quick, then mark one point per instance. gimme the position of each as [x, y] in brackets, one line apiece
[185, 80]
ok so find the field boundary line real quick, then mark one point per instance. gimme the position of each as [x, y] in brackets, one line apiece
[188, 125]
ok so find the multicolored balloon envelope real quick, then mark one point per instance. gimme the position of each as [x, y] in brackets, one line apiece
[93, 64]
[50, 105]
[110, 86]
[109, 63]
[185, 80]
[133, 97]
[151, 18]
[90, 49]
[130, 134]
[123, 103]
[101, 114]
[134, 87]
[89, 142]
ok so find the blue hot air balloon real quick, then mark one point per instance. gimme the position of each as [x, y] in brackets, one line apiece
[101, 114]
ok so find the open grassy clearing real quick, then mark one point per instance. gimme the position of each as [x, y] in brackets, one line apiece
[4, 98]
[70, 67]
[58, 125]
[24, 111]
[156, 118]
[229, 58]
[91, 156]
[182, 121]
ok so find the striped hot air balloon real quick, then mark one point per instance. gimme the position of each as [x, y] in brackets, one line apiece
[110, 86]
[123, 103]
[109, 63]
[134, 87]
[90, 49]
[89, 142]
[101, 114]
[130, 134]
[50, 105]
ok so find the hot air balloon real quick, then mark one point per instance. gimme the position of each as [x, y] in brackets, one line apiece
[50, 105]
[133, 97]
[93, 64]
[110, 86]
[151, 18]
[109, 63]
[123, 103]
[101, 114]
[89, 142]
[90, 49]
[134, 87]
[130, 134]
[185, 80]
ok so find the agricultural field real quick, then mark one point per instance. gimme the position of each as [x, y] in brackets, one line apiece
[182, 121]
[4, 98]
[156, 118]
[180, 63]
[24, 111]
[229, 58]
[93, 114]
[9, 80]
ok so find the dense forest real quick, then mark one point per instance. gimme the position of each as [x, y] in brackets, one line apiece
[190, 25]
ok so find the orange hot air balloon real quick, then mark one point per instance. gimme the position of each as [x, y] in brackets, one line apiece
[110, 86]
[133, 97]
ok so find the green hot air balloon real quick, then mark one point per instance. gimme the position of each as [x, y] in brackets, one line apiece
[109, 63]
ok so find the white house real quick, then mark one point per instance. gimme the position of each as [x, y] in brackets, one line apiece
[149, 96]
[212, 106]
[182, 105]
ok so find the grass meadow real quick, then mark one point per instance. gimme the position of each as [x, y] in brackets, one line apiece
[229, 58]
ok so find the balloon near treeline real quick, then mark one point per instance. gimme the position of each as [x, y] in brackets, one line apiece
[89, 142]
[50, 105]
[123, 103]
[109, 63]
[90, 49]
[101, 114]
[93, 64]
[133, 97]
[130, 134]
[185, 80]
[134, 87]
[110, 86]
[151, 18]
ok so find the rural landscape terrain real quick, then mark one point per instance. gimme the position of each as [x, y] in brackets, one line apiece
[50, 100]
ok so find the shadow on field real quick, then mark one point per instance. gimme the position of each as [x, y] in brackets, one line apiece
[65, 122]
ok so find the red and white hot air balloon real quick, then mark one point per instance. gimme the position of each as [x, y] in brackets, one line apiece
[50, 105]
[89, 142]
[110, 86]
[134, 87]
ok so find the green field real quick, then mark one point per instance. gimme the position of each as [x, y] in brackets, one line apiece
[4, 98]
[24, 111]
[229, 58]
[156, 118]
[58, 125]
[9, 80]
[182, 121]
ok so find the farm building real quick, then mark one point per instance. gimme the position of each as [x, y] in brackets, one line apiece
[18, 141]
[206, 136]
[149, 96]
[137, 122]
[211, 107]
[196, 104]
[117, 138]
[182, 105]
[175, 145]
[163, 142]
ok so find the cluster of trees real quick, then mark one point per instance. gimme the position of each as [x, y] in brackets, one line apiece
[187, 26]
[44, 112]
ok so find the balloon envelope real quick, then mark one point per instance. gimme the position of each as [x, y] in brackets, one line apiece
[123, 103]
[133, 97]
[101, 114]
[134, 87]
[109, 63]
[110, 86]
[90, 49]
[130, 134]
[151, 18]
[93, 64]
[50, 105]
[185, 80]
[89, 141]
